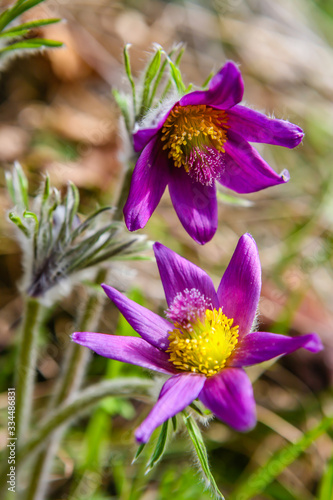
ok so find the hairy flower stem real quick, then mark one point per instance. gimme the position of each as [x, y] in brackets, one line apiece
[130, 387]
[78, 356]
[73, 373]
[26, 367]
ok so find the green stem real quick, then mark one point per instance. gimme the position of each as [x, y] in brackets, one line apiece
[132, 387]
[26, 367]
[73, 374]
[84, 400]
[78, 355]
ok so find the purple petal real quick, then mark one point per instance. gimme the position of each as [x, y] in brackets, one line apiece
[225, 90]
[256, 127]
[142, 136]
[131, 350]
[195, 204]
[229, 396]
[177, 274]
[149, 180]
[245, 170]
[257, 347]
[149, 325]
[177, 393]
[239, 290]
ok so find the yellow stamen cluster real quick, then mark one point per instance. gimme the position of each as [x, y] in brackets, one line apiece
[206, 346]
[190, 127]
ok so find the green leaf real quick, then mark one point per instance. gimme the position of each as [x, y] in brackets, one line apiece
[38, 23]
[16, 219]
[196, 408]
[262, 477]
[45, 238]
[10, 185]
[17, 185]
[86, 246]
[200, 448]
[159, 448]
[138, 452]
[208, 79]
[18, 8]
[22, 184]
[13, 33]
[129, 75]
[72, 205]
[123, 106]
[228, 199]
[113, 252]
[34, 43]
[174, 423]
[161, 73]
[176, 77]
[150, 74]
[326, 485]
[90, 220]
[27, 214]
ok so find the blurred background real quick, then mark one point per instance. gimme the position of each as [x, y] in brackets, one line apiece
[57, 115]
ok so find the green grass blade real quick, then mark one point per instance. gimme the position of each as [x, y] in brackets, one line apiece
[262, 477]
[326, 485]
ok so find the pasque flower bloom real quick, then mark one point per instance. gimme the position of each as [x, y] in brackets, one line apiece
[201, 138]
[206, 340]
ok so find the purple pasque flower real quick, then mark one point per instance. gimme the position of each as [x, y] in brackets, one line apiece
[201, 138]
[206, 340]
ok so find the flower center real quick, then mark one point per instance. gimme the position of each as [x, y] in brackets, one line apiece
[188, 306]
[195, 137]
[206, 346]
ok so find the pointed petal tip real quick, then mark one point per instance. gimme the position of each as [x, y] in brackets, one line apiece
[108, 290]
[248, 239]
[298, 136]
[247, 426]
[314, 344]
[157, 246]
[285, 176]
[141, 437]
[132, 220]
[79, 338]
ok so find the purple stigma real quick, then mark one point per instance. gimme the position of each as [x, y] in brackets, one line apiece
[204, 165]
[188, 306]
